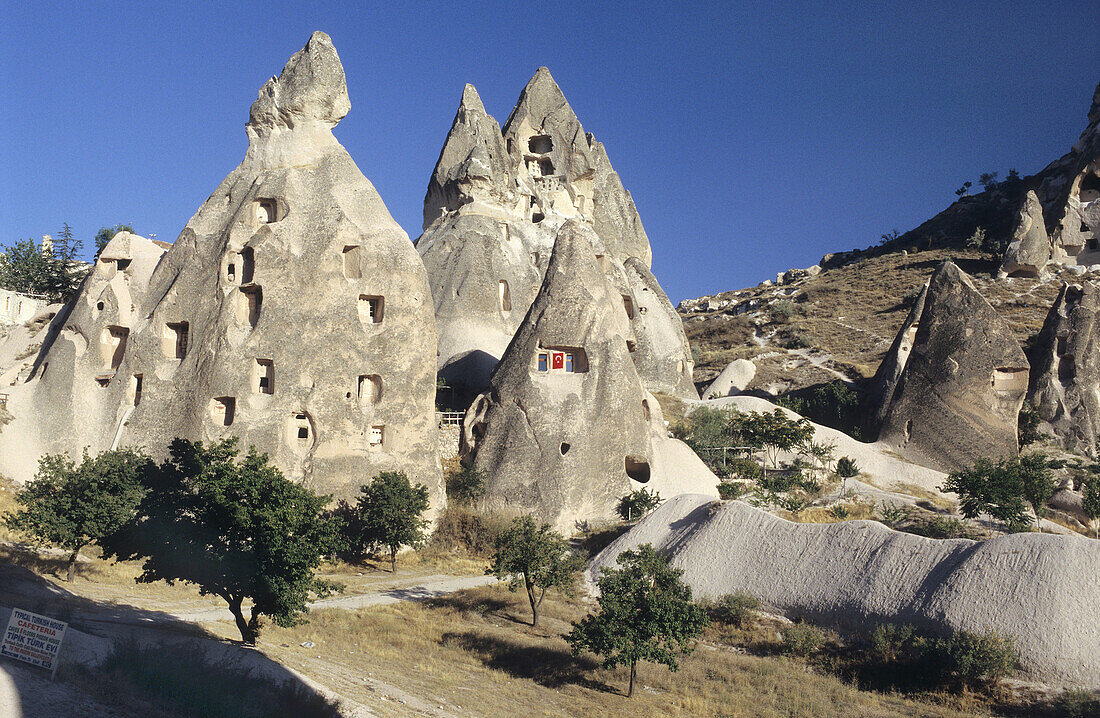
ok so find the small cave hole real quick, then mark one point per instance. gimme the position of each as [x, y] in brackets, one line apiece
[564, 448]
[540, 144]
[637, 469]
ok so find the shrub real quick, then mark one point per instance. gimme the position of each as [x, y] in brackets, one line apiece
[847, 468]
[464, 529]
[1079, 704]
[637, 504]
[893, 513]
[1002, 489]
[802, 639]
[834, 404]
[975, 658]
[939, 527]
[795, 340]
[466, 486]
[729, 490]
[839, 512]
[782, 311]
[892, 642]
[743, 468]
[734, 609]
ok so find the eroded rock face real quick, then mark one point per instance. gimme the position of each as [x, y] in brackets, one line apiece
[880, 395]
[291, 312]
[1065, 384]
[1029, 249]
[958, 394]
[853, 575]
[494, 205]
[565, 428]
[1070, 192]
[733, 380]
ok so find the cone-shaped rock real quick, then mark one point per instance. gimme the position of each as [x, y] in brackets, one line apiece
[1065, 385]
[565, 426]
[880, 395]
[1070, 191]
[958, 396]
[494, 204]
[1029, 249]
[291, 312]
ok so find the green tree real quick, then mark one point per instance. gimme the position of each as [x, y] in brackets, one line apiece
[72, 506]
[645, 614]
[50, 271]
[387, 514]
[236, 529]
[466, 486]
[637, 504]
[1037, 482]
[1090, 503]
[994, 488]
[535, 558]
[774, 433]
[106, 234]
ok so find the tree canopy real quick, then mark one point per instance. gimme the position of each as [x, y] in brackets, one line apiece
[72, 506]
[51, 272]
[1002, 489]
[535, 558]
[387, 514]
[645, 614]
[106, 234]
[236, 529]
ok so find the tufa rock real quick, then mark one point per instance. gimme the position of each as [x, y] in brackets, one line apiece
[567, 428]
[880, 394]
[1065, 383]
[1029, 250]
[292, 312]
[493, 207]
[733, 380]
[959, 388]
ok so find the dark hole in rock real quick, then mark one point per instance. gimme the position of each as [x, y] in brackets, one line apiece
[637, 469]
[564, 448]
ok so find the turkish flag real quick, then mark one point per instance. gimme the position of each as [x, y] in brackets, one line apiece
[558, 360]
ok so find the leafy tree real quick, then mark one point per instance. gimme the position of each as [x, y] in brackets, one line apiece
[1027, 424]
[645, 614]
[236, 529]
[964, 190]
[1038, 483]
[466, 486]
[73, 506]
[773, 433]
[387, 515]
[536, 558]
[1090, 503]
[889, 237]
[47, 271]
[637, 504]
[994, 488]
[106, 234]
[988, 180]
[847, 467]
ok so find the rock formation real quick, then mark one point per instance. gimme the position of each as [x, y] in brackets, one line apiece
[291, 312]
[1039, 588]
[1070, 191]
[880, 394]
[734, 379]
[961, 378]
[567, 428]
[494, 205]
[1029, 249]
[1065, 377]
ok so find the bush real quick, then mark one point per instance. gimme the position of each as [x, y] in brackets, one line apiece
[734, 609]
[974, 658]
[730, 490]
[840, 512]
[892, 643]
[847, 468]
[466, 486]
[463, 529]
[637, 504]
[1027, 424]
[939, 527]
[782, 311]
[802, 639]
[1079, 704]
[795, 340]
[834, 404]
[893, 513]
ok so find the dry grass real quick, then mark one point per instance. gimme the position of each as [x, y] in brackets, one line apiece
[473, 654]
[854, 511]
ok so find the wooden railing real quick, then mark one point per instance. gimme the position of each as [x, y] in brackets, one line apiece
[449, 418]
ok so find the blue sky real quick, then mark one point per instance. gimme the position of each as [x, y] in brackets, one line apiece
[754, 136]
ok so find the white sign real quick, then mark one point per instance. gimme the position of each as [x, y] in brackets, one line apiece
[33, 638]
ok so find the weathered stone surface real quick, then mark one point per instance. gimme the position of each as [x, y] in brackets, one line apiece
[1039, 588]
[1029, 249]
[291, 312]
[880, 394]
[1065, 359]
[958, 395]
[493, 207]
[734, 379]
[567, 428]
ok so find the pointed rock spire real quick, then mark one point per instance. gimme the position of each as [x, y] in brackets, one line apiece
[1029, 249]
[959, 394]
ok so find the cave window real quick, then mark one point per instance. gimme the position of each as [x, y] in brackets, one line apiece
[631, 346]
[544, 361]
[1093, 244]
[628, 305]
[564, 448]
[135, 388]
[637, 469]
[537, 217]
[223, 410]
[266, 211]
[177, 338]
[231, 272]
[301, 426]
[122, 264]
[352, 268]
[546, 167]
[1009, 379]
[114, 346]
[248, 265]
[98, 306]
[104, 380]
[645, 409]
[369, 389]
[370, 309]
[540, 144]
[376, 435]
[250, 303]
[263, 373]
[505, 297]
